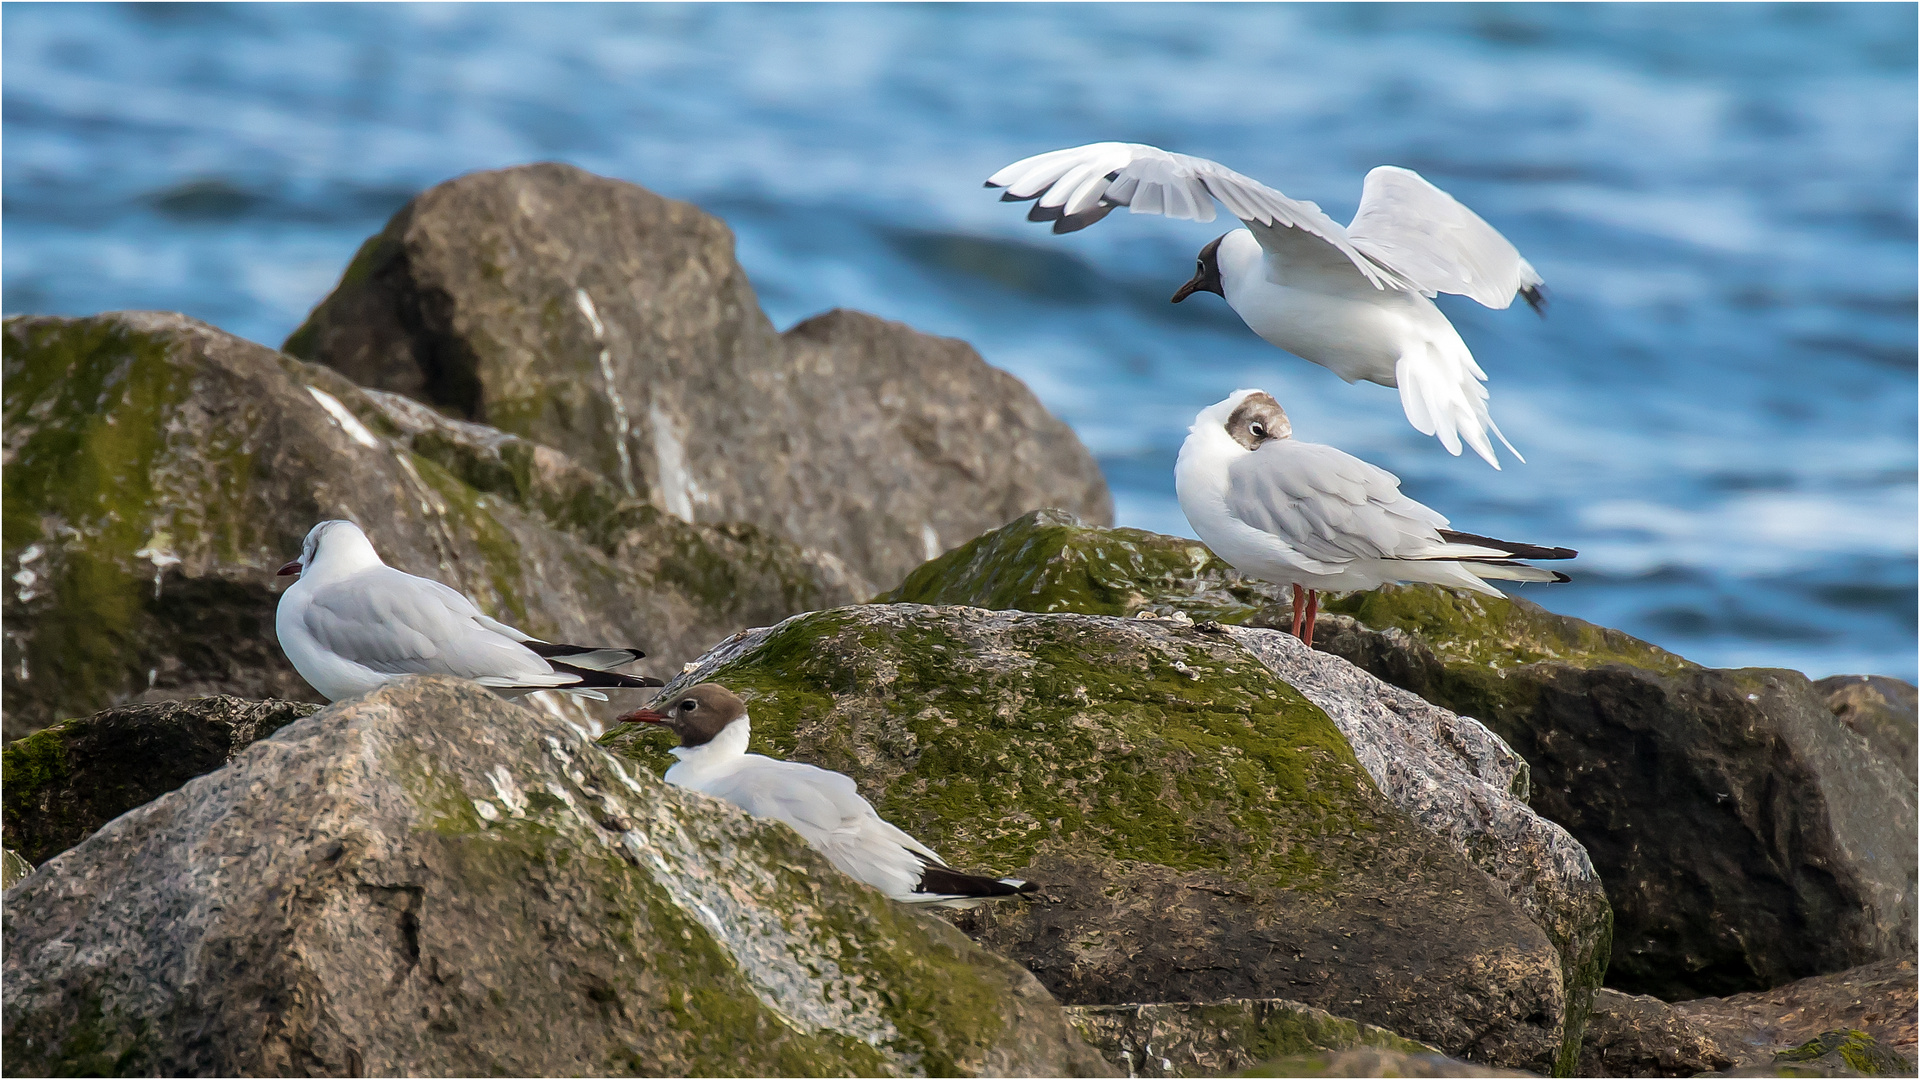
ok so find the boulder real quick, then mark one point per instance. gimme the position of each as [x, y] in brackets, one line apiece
[1745, 836]
[1881, 710]
[428, 880]
[1877, 999]
[1374, 1061]
[158, 471]
[1202, 830]
[66, 781]
[1221, 1038]
[13, 868]
[595, 317]
[1844, 1049]
[1638, 1035]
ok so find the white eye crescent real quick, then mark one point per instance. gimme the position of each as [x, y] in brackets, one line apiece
[1258, 429]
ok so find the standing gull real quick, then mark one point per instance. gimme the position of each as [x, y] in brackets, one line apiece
[1313, 517]
[352, 623]
[823, 807]
[1354, 300]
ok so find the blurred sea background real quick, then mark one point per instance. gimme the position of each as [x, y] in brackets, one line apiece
[1719, 411]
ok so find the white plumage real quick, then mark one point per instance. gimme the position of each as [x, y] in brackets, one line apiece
[351, 623]
[1353, 299]
[1315, 517]
[823, 806]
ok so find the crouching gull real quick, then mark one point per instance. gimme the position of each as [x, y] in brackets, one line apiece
[352, 623]
[1353, 300]
[1313, 517]
[824, 807]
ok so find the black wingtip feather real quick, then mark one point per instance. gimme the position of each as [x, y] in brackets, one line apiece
[946, 881]
[1536, 298]
[599, 679]
[1075, 222]
[554, 650]
[1513, 550]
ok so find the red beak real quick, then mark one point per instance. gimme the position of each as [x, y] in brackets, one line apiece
[292, 569]
[641, 716]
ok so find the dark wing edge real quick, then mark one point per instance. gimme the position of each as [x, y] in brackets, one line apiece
[1513, 550]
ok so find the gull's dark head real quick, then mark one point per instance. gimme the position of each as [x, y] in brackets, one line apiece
[696, 716]
[1258, 420]
[1206, 274]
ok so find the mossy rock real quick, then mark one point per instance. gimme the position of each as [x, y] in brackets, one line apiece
[159, 471]
[13, 868]
[1733, 819]
[1201, 830]
[66, 781]
[1857, 1049]
[429, 880]
[1218, 1038]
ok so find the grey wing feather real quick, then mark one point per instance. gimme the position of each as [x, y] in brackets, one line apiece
[1327, 504]
[398, 624]
[1077, 181]
[816, 802]
[1429, 238]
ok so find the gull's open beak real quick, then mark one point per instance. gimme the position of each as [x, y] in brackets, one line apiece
[641, 716]
[292, 569]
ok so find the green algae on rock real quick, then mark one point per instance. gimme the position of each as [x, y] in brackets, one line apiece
[13, 868]
[595, 317]
[1200, 829]
[1220, 1038]
[66, 781]
[158, 470]
[1856, 1049]
[431, 880]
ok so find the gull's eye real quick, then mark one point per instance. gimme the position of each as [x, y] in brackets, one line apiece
[686, 706]
[1258, 429]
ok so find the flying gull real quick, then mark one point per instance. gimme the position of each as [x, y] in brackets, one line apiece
[352, 623]
[824, 807]
[1313, 517]
[1354, 300]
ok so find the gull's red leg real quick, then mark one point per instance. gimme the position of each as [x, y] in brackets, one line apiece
[1299, 608]
[1313, 612]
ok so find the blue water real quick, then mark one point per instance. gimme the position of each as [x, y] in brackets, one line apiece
[1719, 411]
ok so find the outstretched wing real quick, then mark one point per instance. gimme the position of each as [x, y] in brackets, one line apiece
[1076, 187]
[1427, 237]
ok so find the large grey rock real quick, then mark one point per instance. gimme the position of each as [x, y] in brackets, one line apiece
[159, 470]
[1221, 1038]
[1746, 837]
[1637, 1035]
[432, 881]
[1202, 831]
[66, 781]
[593, 316]
[1375, 1062]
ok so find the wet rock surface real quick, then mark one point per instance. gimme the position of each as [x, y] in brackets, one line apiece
[63, 783]
[159, 470]
[593, 316]
[1221, 1038]
[429, 880]
[1746, 837]
[1637, 1035]
[1202, 831]
[1374, 1061]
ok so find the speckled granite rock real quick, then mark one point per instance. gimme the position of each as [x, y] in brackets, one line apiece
[68, 780]
[1637, 1035]
[1220, 1038]
[1879, 999]
[432, 881]
[1376, 1062]
[1883, 711]
[1201, 829]
[593, 316]
[158, 471]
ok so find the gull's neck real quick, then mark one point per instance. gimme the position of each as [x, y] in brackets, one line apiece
[721, 750]
[1242, 262]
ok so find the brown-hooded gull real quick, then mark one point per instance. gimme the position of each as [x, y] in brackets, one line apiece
[1313, 517]
[352, 622]
[824, 807]
[1354, 300]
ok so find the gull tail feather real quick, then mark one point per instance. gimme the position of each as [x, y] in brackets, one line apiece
[1442, 392]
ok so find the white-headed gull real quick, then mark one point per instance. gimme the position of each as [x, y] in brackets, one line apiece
[824, 807]
[352, 622]
[1313, 517]
[1353, 300]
